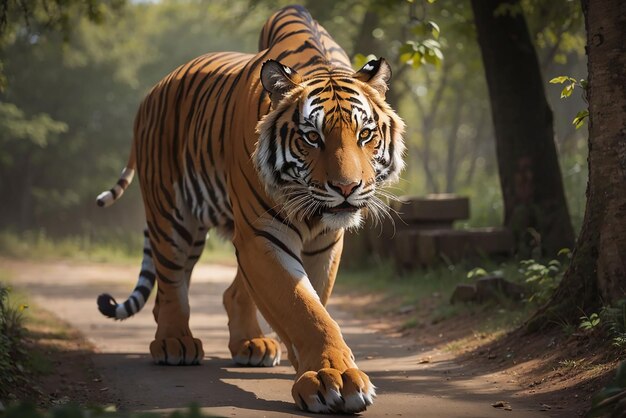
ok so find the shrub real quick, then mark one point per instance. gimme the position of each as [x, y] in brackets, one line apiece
[12, 351]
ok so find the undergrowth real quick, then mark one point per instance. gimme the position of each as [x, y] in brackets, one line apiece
[435, 285]
[609, 324]
[13, 355]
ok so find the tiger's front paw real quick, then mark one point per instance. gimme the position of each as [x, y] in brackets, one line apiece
[330, 391]
[177, 351]
[260, 351]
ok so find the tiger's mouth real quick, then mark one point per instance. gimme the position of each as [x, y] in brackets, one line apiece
[344, 207]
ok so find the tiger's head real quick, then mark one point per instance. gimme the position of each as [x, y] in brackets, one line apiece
[329, 143]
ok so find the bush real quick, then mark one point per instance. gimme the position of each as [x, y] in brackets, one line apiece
[543, 279]
[12, 351]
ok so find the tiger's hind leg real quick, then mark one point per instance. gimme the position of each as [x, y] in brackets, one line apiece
[192, 259]
[248, 346]
[176, 244]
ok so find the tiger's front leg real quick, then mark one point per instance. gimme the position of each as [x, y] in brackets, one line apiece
[327, 377]
[248, 346]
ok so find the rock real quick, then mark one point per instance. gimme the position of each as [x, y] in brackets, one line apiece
[494, 288]
[502, 404]
[463, 293]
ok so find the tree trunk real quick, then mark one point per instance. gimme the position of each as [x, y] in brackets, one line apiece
[530, 177]
[453, 136]
[597, 274]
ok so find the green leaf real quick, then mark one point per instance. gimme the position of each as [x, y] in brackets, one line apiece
[556, 263]
[417, 60]
[579, 120]
[404, 58]
[431, 44]
[564, 251]
[559, 80]
[434, 29]
[431, 58]
[476, 272]
[567, 91]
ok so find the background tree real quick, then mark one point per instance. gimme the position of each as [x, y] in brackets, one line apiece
[530, 176]
[597, 274]
[92, 79]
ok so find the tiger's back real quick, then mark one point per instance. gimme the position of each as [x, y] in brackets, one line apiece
[181, 135]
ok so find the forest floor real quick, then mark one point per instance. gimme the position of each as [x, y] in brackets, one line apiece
[442, 368]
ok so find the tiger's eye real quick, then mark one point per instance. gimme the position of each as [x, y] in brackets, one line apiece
[365, 133]
[313, 136]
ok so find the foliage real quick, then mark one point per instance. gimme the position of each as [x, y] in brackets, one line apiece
[544, 278]
[33, 16]
[614, 319]
[65, 131]
[610, 401]
[589, 323]
[80, 92]
[28, 410]
[12, 351]
[476, 273]
[611, 320]
[567, 91]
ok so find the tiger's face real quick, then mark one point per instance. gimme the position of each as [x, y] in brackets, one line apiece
[329, 144]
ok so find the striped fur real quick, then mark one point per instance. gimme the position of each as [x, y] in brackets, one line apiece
[280, 151]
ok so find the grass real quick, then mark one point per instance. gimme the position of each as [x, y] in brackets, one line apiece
[120, 247]
[571, 363]
[382, 277]
[28, 337]
[429, 291]
[37, 245]
[436, 282]
[13, 354]
[20, 358]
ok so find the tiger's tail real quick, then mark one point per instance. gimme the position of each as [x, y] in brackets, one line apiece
[108, 306]
[110, 196]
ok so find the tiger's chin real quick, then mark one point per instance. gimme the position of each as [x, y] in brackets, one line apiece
[343, 219]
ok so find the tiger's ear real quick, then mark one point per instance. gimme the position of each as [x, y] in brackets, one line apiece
[278, 80]
[377, 74]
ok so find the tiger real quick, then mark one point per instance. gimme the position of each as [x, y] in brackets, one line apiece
[281, 152]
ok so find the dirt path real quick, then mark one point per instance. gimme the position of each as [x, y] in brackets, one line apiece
[440, 388]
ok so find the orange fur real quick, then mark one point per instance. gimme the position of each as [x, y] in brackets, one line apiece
[280, 151]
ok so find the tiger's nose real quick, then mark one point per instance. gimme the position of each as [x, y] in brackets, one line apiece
[344, 189]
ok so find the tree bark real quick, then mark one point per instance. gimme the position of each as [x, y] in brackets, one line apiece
[530, 177]
[597, 274]
[453, 136]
